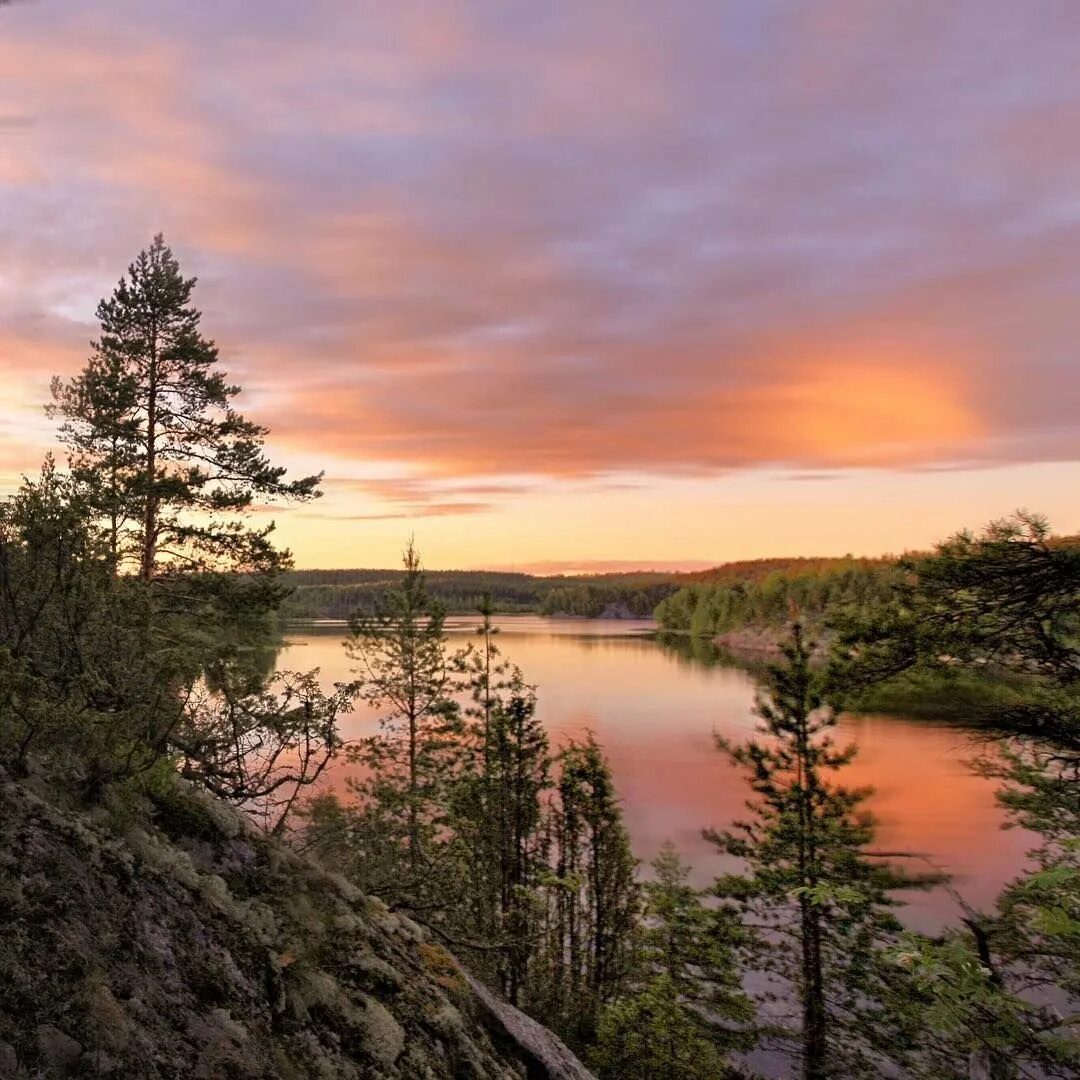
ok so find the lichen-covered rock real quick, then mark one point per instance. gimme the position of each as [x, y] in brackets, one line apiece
[190, 945]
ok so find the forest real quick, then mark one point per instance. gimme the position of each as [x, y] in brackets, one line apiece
[755, 592]
[816, 589]
[133, 582]
[337, 594]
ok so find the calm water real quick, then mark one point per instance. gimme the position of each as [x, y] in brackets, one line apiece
[655, 714]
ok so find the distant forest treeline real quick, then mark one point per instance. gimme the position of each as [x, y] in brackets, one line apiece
[735, 594]
[336, 594]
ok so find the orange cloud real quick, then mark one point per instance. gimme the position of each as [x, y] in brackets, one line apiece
[866, 409]
[812, 408]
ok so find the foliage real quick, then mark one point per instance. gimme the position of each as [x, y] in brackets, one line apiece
[684, 1011]
[338, 594]
[1009, 594]
[1000, 995]
[497, 814]
[403, 673]
[817, 594]
[128, 606]
[816, 902]
[973, 696]
[517, 859]
[597, 600]
[1005, 598]
[154, 439]
[260, 747]
[80, 683]
[691, 943]
[753, 591]
[1003, 991]
[592, 914]
[654, 1036]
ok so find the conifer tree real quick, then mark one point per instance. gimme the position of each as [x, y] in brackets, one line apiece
[101, 430]
[153, 434]
[999, 995]
[498, 812]
[817, 902]
[652, 1035]
[685, 1010]
[594, 905]
[75, 680]
[90, 696]
[482, 673]
[403, 671]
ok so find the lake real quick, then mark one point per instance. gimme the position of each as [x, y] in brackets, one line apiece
[655, 713]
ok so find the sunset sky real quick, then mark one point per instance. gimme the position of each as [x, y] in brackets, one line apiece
[577, 284]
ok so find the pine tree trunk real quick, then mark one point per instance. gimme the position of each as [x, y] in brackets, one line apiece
[813, 994]
[114, 513]
[150, 514]
[414, 827]
[813, 985]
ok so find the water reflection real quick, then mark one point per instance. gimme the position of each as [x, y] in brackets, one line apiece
[656, 705]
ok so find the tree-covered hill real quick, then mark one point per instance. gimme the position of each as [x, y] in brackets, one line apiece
[766, 594]
[756, 570]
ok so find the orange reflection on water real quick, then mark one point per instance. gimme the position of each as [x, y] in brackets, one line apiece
[656, 714]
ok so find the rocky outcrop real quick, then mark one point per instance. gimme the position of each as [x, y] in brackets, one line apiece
[175, 941]
[765, 642]
[545, 1055]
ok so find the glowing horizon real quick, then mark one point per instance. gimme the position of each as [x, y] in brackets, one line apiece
[606, 287]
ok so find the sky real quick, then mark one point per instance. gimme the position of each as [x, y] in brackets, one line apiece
[577, 285]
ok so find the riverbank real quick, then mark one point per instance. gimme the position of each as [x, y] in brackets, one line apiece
[976, 698]
[758, 642]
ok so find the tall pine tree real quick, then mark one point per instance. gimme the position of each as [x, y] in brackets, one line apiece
[152, 432]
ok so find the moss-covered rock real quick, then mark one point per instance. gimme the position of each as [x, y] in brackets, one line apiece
[190, 945]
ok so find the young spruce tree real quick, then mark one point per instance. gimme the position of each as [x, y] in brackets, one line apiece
[684, 1011]
[497, 813]
[403, 671]
[816, 901]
